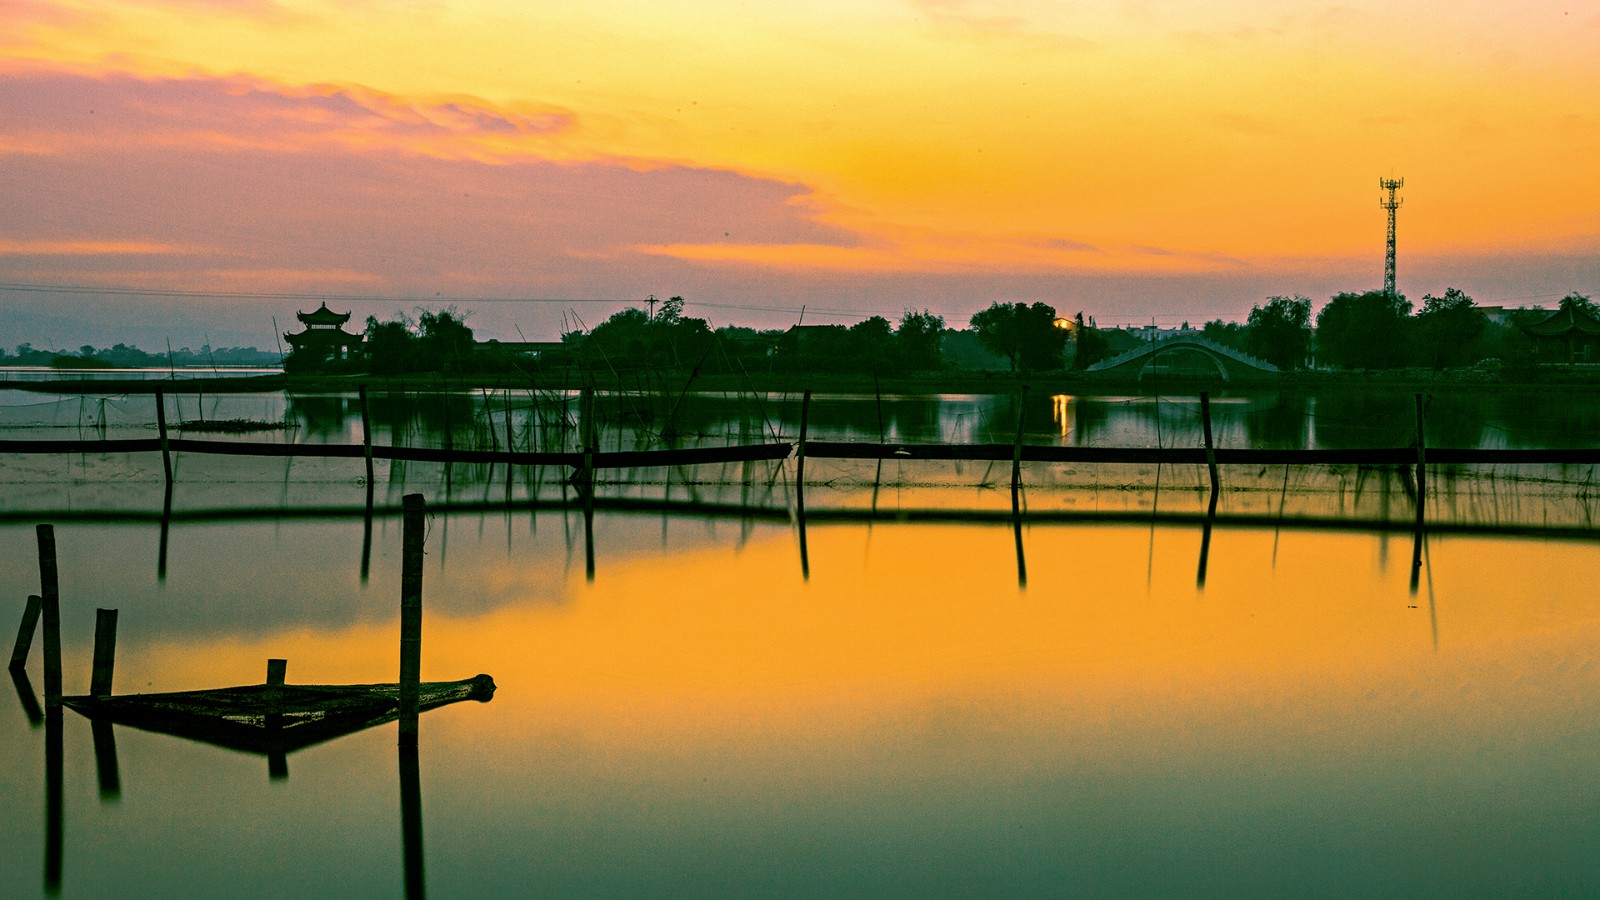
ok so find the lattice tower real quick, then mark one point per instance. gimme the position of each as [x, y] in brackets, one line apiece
[1391, 204]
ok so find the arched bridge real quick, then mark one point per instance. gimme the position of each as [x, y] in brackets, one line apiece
[1187, 356]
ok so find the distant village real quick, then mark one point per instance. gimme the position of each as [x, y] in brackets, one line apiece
[1370, 331]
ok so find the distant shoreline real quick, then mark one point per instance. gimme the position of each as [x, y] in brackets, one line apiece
[791, 382]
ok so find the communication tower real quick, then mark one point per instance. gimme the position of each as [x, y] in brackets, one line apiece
[1391, 204]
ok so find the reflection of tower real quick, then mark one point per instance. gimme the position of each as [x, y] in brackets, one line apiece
[1391, 185]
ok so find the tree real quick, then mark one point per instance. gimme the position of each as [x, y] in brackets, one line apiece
[1091, 344]
[390, 346]
[1228, 334]
[1364, 331]
[444, 342]
[917, 341]
[871, 343]
[1579, 302]
[1280, 332]
[1025, 335]
[1449, 328]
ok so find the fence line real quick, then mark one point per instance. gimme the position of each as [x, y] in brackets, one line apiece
[594, 458]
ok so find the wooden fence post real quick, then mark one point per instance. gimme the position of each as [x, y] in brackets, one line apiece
[800, 482]
[105, 652]
[366, 433]
[1016, 453]
[50, 607]
[1211, 448]
[413, 525]
[161, 431]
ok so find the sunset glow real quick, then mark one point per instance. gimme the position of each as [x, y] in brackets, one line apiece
[1130, 159]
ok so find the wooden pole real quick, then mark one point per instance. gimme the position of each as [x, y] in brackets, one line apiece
[411, 823]
[30, 622]
[277, 671]
[161, 431]
[105, 652]
[1211, 448]
[413, 525]
[1016, 455]
[366, 432]
[1422, 497]
[50, 607]
[800, 482]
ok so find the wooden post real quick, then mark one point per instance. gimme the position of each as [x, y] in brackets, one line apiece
[50, 607]
[1422, 498]
[800, 482]
[411, 823]
[1422, 462]
[1211, 448]
[30, 622]
[161, 431]
[277, 671]
[366, 432]
[413, 525]
[1016, 454]
[166, 529]
[54, 800]
[105, 652]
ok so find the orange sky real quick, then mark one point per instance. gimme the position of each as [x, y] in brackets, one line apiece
[1132, 159]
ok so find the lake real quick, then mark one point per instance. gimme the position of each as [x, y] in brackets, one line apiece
[1074, 703]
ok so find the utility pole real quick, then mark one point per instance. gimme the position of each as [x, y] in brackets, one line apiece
[652, 302]
[1391, 204]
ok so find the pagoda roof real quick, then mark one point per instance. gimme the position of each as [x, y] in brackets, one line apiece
[1569, 320]
[322, 315]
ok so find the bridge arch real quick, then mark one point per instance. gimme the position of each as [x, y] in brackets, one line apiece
[1146, 359]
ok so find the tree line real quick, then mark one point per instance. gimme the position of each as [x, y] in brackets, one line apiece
[1368, 330]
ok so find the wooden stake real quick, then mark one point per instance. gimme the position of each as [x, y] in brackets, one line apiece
[1016, 455]
[413, 525]
[50, 607]
[161, 431]
[800, 483]
[30, 622]
[105, 652]
[1211, 448]
[366, 432]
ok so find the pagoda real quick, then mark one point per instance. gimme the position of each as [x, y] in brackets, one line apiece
[324, 336]
[1570, 335]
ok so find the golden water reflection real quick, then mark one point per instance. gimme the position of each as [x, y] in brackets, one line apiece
[909, 718]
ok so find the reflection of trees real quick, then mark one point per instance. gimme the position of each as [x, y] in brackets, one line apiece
[1347, 419]
[1541, 418]
[320, 416]
[1279, 420]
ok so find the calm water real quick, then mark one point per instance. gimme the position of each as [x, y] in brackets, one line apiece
[700, 718]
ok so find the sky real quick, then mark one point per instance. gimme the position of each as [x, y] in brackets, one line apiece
[196, 170]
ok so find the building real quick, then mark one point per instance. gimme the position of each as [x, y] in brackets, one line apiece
[324, 337]
[1568, 335]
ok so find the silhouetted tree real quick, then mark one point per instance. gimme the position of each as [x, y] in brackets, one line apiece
[1280, 332]
[1364, 331]
[1228, 334]
[390, 346]
[917, 341]
[1579, 302]
[871, 345]
[1025, 335]
[1449, 328]
[1091, 344]
[444, 342]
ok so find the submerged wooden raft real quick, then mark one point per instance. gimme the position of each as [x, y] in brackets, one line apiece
[273, 719]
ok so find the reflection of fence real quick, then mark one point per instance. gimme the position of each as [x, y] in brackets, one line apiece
[591, 459]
